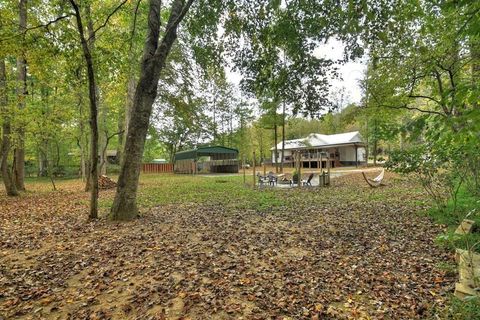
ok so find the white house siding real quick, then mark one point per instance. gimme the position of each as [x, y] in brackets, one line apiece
[273, 157]
[347, 153]
[344, 142]
[362, 154]
[286, 153]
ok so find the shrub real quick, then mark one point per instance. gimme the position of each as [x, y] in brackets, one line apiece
[431, 169]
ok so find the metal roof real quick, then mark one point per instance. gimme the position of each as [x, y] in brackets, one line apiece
[205, 151]
[315, 140]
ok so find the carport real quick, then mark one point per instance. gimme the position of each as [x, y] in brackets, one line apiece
[213, 159]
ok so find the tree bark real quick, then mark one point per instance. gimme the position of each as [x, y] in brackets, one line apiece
[283, 135]
[102, 167]
[121, 139]
[375, 142]
[19, 171]
[92, 87]
[82, 146]
[131, 84]
[475, 55]
[276, 142]
[215, 117]
[42, 159]
[153, 61]
[259, 132]
[7, 176]
[128, 107]
[101, 109]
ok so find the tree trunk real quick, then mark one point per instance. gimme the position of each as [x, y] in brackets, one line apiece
[128, 110]
[83, 153]
[82, 140]
[7, 176]
[102, 167]
[83, 165]
[215, 117]
[367, 146]
[153, 61]
[101, 109]
[375, 141]
[19, 166]
[475, 55]
[92, 87]
[259, 134]
[283, 136]
[131, 83]
[42, 161]
[276, 142]
[121, 135]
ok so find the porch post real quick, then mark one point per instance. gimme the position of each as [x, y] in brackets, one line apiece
[318, 162]
[356, 156]
[300, 165]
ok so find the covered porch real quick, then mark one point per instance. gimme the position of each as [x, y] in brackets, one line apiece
[318, 158]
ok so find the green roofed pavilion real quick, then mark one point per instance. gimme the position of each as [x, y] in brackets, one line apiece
[212, 159]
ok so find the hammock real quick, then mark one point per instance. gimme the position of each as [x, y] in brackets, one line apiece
[375, 182]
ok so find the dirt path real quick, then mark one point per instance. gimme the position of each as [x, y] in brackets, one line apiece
[337, 253]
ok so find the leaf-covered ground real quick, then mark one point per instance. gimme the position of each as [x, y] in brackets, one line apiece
[209, 248]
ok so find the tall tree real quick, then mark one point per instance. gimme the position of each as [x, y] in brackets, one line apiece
[92, 90]
[19, 166]
[269, 120]
[153, 61]
[102, 112]
[131, 70]
[6, 173]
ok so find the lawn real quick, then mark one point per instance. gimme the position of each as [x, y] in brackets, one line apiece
[211, 248]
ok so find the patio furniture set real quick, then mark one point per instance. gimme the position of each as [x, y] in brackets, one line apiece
[272, 180]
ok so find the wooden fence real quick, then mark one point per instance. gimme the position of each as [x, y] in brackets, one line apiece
[157, 167]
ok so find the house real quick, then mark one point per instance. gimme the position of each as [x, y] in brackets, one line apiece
[343, 149]
[214, 159]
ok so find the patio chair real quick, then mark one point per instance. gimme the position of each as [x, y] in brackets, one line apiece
[272, 179]
[308, 182]
[261, 179]
[294, 180]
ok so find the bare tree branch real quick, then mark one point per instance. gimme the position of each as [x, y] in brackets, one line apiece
[419, 96]
[442, 93]
[108, 18]
[45, 25]
[134, 27]
[172, 24]
[404, 106]
[109, 137]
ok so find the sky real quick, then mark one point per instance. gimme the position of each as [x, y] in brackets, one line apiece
[350, 72]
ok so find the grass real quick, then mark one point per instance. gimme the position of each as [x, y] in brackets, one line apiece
[466, 207]
[453, 214]
[460, 309]
[157, 190]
